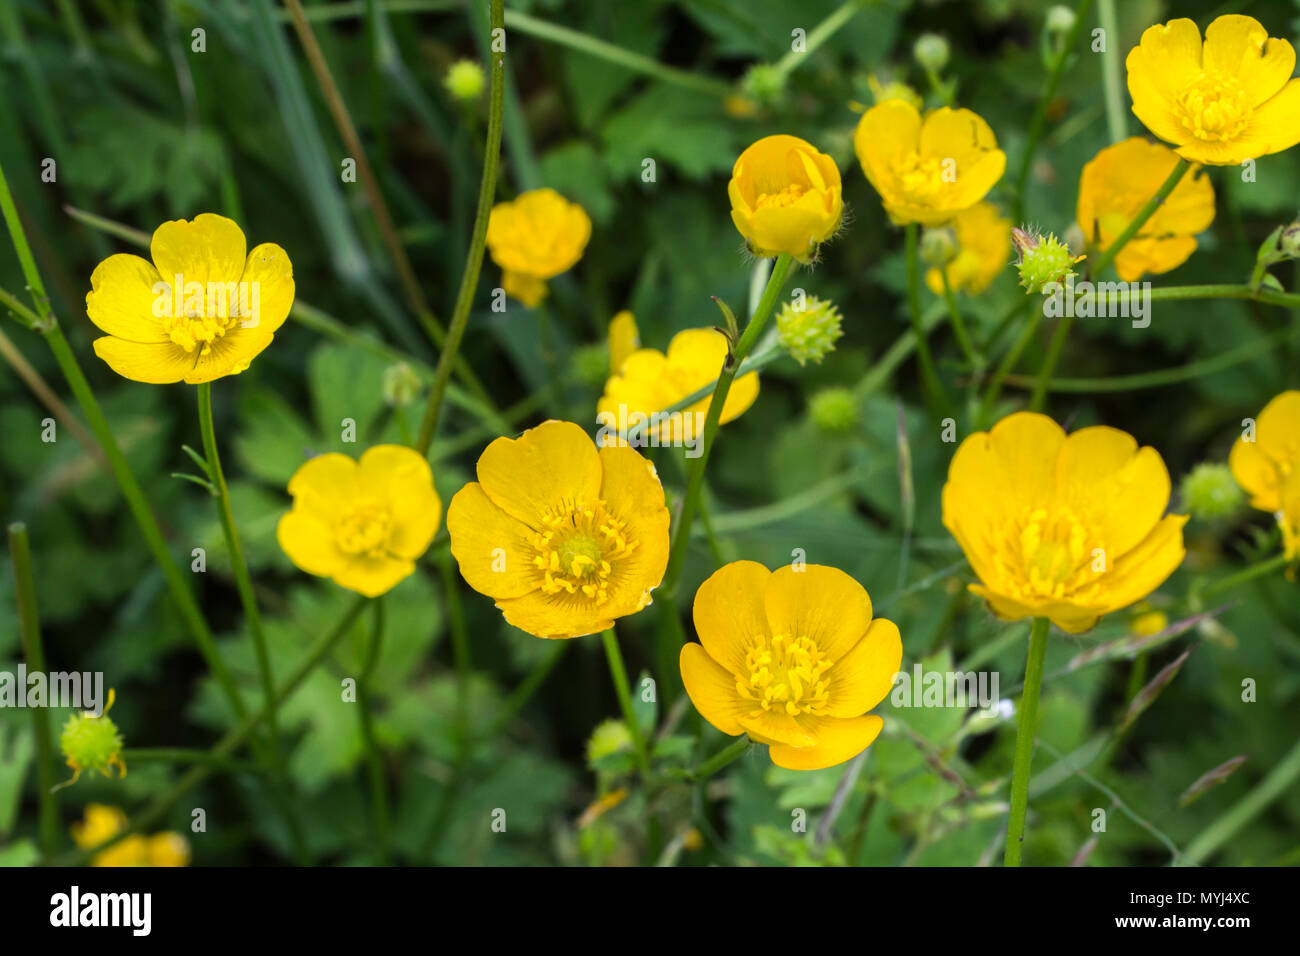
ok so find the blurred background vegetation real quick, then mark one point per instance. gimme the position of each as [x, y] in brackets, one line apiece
[144, 129]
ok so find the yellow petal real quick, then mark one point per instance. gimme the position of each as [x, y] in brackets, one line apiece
[309, 542]
[372, 576]
[1239, 46]
[559, 615]
[776, 727]
[838, 740]
[401, 478]
[537, 473]
[863, 677]
[210, 248]
[730, 613]
[623, 339]
[631, 491]
[152, 364]
[711, 689]
[269, 271]
[121, 299]
[821, 603]
[323, 485]
[1147, 566]
[1274, 127]
[490, 546]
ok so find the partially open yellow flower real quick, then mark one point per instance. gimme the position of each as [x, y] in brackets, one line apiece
[785, 197]
[563, 537]
[927, 170]
[1067, 528]
[793, 658]
[204, 308]
[624, 339]
[534, 238]
[1118, 182]
[983, 241]
[362, 523]
[650, 381]
[102, 823]
[1269, 467]
[1223, 101]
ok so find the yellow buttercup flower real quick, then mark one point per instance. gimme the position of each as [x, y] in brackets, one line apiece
[362, 523]
[983, 238]
[785, 197]
[204, 308]
[102, 823]
[1067, 528]
[649, 381]
[534, 238]
[793, 658]
[1224, 101]
[927, 170]
[1118, 182]
[624, 339]
[563, 537]
[1269, 467]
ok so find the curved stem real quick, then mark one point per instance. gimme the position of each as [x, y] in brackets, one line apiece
[1146, 212]
[474, 261]
[929, 376]
[1259, 569]
[722, 758]
[959, 324]
[618, 673]
[1025, 740]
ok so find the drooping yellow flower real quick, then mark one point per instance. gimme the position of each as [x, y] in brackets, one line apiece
[204, 308]
[983, 238]
[563, 537]
[793, 658]
[362, 523]
[1118, 182]
[534, 238]
[1067, 528]
[927, 170]
[785, 197]
[102, 823]
[624, 339]
[650, 381]
[1269, 466]
[1222, 102]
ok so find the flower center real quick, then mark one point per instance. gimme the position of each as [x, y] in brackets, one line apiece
[578, 548]
[788, 674]
[779, 200]
[363, 529]
[1051, 556]
[921, 179]
[200, 326]
[1215, 108]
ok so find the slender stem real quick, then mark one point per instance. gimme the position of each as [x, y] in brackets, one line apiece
[1267, 566]
[619, 675]
[1054, 348]
[929, 376]
[374, 757]
[29, 628]
[1116, 118]
[474, 261]
[1039, 121]
[231, 741]
[180, 755]
[1008, 363]
[41, 389]
[722, 758]
[1025, 729]
[819, 35]
[527, 687]
[1146, 212]
[959, 324]
[695, 483]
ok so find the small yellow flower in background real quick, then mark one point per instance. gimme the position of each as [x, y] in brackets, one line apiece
[103, 823]
[624, 339]
[1067, 528]
[650, 381]
[1149, 621]
[204, 308]
[1269, 467]
[563, 537]
[982, 240]
[362, 523]
[92, 743]
[534, 238]
[1222, 102]
[792, 658]
[785, 197]
[927, 170]
[1114, 187]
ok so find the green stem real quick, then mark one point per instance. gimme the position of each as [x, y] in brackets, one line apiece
[722, 758]
[1116, 120]
[1025, 730]
[29, 628]
[180, 755]
[1054, 348]
[748, 339]
[973, 357]
[1267, 566]
[1146, 212]
[929, 376]
[374, 757]
[619, 675]
[474, 261]
[527, 687]
[820, 34]
[1008, 363]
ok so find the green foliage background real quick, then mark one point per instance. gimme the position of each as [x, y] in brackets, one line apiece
[144, 130]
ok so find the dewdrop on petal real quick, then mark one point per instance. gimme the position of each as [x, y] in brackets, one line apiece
[809, 334]
[1042, 259]
[465, 80]
[1210, 492]
[834, 410]
[92, 743]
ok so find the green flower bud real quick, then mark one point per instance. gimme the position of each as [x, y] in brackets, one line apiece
[834, 410]
[92, 743]
[608, 739]
[809, 334]
[1042, 259]
[1289, 241]
[465, 80]
[938, 246]
[763, 83]
[931, 51]
[1060, 20]
[591, 364]
[401, 384]
[1210, 492]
